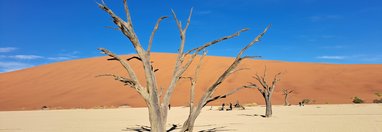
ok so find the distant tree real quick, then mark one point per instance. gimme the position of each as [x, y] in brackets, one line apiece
[266, 90]
[156, 103]
[286, 93]
[306, 101]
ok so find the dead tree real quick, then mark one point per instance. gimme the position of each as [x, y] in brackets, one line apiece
[150, 92]
[286, 93]
[266, 90]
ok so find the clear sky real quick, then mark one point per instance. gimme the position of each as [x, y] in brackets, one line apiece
[36, 32]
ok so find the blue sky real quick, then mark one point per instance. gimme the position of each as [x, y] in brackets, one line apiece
[39, 32]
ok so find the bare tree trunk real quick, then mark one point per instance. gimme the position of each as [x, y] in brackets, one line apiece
[156, 123]
[268, 107]
[156, 119]
[266, 90]
[286, 103]
[286, 93]
[188, 125]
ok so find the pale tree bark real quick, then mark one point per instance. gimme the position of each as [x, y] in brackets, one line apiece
[156, 101]
[208, 95]
[266, 90]
[286, 93]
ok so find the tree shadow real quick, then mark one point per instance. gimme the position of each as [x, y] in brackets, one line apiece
[263, 116]
[141, 128]
[216, 129]
[138, 128]
[173, 128]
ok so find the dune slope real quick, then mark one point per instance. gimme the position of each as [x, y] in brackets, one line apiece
[73, 84]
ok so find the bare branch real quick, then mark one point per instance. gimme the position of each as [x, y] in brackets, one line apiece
[125, 27]
[264, 75]
[227, 94]
[286, 91]
[238, 59]
[261, 81]
[276, 78]
[160, 92]
[251, 57]
[291, 91]
[134, 57]
[229, 70]
[103, 2]
[188, 20]
[257, 39]
[124, 80]
[156, 27]
[128, 30]
[126, 65]
[190, 78]
[182, 33]
[262, 91]
[179, 71]
[241, 69]
[197, 71]
[177, 21]
[128, 17]
[216, 41]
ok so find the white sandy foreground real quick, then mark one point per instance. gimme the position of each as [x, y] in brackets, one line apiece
[311, 118]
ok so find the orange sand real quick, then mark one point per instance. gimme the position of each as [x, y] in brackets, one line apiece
[72, 84]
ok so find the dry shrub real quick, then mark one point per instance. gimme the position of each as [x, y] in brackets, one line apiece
[357, 100]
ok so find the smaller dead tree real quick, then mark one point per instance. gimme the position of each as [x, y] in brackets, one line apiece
[266, 90]
[286, 93]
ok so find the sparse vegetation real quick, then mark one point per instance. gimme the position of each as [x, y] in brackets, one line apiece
[44, 107]
[377, 100]
[306, 101]
[379, 95]
[357, 100]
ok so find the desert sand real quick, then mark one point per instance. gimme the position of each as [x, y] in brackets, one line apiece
[72, 84]
[310, 118]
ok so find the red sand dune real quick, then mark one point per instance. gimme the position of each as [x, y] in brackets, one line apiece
[73, 84]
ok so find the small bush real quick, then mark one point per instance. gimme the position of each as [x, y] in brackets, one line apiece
[44, 107]
[357, 100]
[377, 100]
[306, 101]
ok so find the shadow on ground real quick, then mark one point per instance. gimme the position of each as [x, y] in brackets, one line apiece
[216, 129]
[253, 115]
[141, 128]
